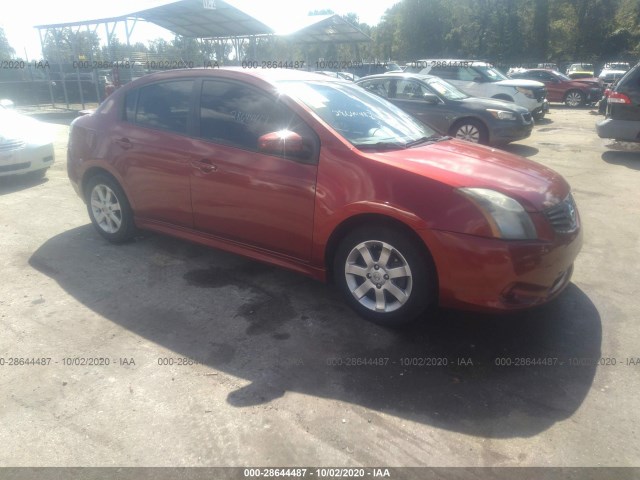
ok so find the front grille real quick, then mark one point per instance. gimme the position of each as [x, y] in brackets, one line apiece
[540, 93]
[8, 145]
[563, 216]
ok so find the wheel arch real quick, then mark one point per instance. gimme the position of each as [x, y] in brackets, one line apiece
[98, 170]
[368, 219]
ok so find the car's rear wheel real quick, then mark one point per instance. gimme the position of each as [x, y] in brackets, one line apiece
[385, 275]
[109, 209]
[574, 98]
[470, 130]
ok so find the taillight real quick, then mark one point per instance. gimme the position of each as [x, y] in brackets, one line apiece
[617, 97]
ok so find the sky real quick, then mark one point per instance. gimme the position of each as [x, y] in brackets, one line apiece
[19, 17]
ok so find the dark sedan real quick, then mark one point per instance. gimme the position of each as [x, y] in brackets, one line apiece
[445, 108]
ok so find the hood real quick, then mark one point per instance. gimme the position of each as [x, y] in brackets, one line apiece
[493, 103]
[462, 164]
[516, 82]
[587, 81]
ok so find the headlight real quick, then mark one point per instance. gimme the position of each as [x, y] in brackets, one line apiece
[525, 91]
[501, 114]
[508, 219]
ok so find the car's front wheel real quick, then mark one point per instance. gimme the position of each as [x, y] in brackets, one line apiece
[385, 275]
[574, 98]
[109, 209]
[470, 130]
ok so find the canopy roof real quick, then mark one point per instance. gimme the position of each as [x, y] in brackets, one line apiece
[329, 28]
[189, 18]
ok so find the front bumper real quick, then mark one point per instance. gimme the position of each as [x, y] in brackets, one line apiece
[28, 158]
[489, 274]
[542, 109]
[510, 133]
[623, 130]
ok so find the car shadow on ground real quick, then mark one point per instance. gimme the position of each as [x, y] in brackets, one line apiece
[627, 159]
[543, 121]
[518, 149]
[16, 183]
[458, 371]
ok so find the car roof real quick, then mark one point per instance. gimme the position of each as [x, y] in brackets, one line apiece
[416, 76]
[452, 60]
[267, 75]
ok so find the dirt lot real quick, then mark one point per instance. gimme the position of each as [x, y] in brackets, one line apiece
[276, 378]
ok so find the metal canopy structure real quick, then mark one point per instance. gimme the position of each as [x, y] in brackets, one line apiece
[204, 19]
[329, 28]
[189, 18]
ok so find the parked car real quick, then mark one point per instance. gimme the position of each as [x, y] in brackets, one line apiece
[344, 75]
[613, 71]
[561, 88]
[480, 79]
[451, 112]
[26, 145]
[622, 120]
[318, 175]
[580, 69]
[372, 68]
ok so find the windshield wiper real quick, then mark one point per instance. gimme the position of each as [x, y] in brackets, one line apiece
[431, 139]
[381, 145]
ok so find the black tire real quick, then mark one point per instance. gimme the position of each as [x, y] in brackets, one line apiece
[574, 98]
[471, 130]
[417, 283]
[539, 115]
[116, 223]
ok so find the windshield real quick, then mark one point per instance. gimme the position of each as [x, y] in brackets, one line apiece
[490, 72]
[362, 118]
[562, 76]
[445, 89]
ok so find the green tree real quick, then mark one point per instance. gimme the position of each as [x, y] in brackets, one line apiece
[6, 50]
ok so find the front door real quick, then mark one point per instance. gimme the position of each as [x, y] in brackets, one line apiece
[244, 195]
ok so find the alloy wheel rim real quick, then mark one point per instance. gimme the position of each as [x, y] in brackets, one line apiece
[469, 133]
[106, 209]
[378, 276]
[573, 99]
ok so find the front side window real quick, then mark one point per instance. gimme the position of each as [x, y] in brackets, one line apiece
[446, 90]
[409, 90]
[379, 87]
[164, 105]
[237, 115]
[490, 73]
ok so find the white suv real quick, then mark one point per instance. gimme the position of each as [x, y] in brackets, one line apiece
[480, 79]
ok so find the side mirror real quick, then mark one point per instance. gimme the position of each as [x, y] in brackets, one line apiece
[478, 79]
[285, 143]
[430, 98]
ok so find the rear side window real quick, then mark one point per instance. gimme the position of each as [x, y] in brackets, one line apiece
[164, 105]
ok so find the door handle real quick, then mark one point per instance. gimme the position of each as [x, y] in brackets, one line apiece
[124, 142]
[205, 165]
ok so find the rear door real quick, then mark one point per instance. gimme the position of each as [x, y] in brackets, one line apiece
[150, 149]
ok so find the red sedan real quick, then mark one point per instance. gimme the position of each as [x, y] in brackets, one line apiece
[321, 177]
[560, 88]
